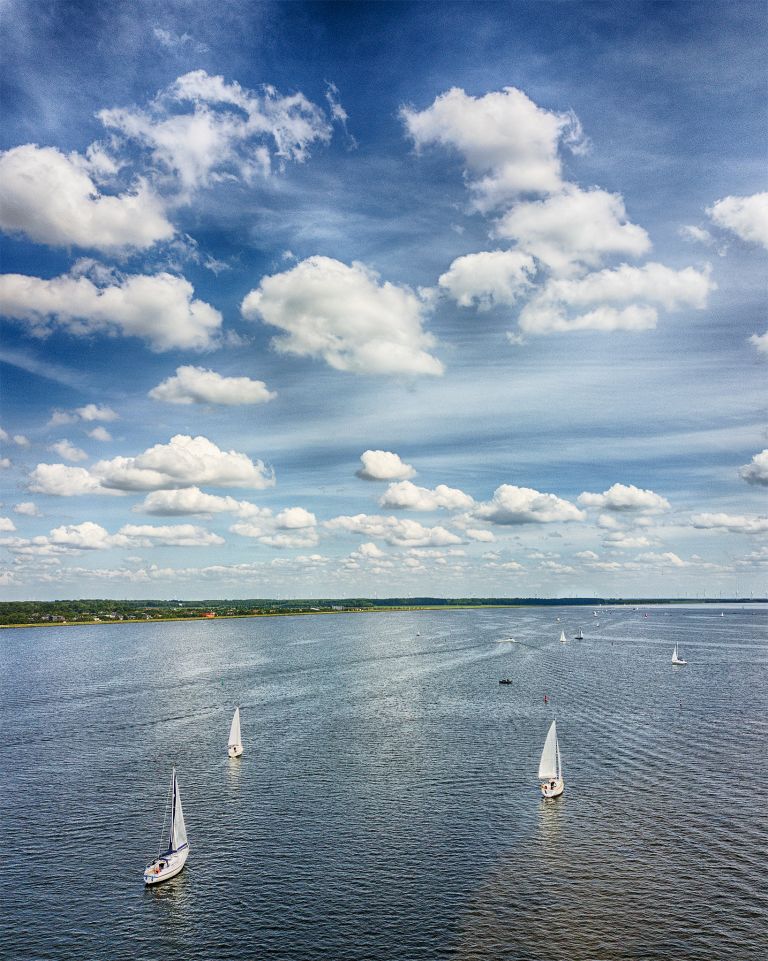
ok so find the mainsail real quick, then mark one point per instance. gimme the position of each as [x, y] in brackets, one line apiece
[235, 739]
[178, 836]
[562, 637]
[549, 766]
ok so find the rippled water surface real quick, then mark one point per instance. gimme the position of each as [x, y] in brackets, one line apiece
[386, 806]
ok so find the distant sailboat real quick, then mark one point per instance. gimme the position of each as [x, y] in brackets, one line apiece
[676, 659]
[169, 863]
[550, 769]
[562, 637]
[579, 636]
[235, 743]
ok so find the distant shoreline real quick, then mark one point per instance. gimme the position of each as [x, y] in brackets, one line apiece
[603, 604]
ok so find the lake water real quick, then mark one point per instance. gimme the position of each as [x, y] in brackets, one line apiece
[386, 806]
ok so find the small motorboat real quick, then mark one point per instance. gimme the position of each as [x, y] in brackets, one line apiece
[505, 680]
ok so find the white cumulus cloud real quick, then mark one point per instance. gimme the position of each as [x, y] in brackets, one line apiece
[480, 534]
[508, 144]
[747, 217]
[90, 536]
[175, 535]
[27, 508]
[345, 316]
[52, 199]
[488, 279]
[383, 465]
[665, 559]
[92, 412]
[397, 532]
[573, 229]
[160, 309]
[68, 451]
[756, 472]
[733, 523]
[293, 527]
[409, 496]
[621, 298]
[6, 524]
[523, 505]
[197, 385]
[625, 497]
[626, 541]
[59, 480]
[191, 500]
[183, 462]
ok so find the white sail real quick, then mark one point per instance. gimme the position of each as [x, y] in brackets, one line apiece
[235, 739]
[549, 765]
[674, 654]
[178, 828]
[562, 637]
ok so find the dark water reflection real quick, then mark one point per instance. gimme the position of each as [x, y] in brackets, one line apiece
[386, 805]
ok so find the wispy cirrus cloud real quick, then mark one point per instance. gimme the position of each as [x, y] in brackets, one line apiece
[202, 129]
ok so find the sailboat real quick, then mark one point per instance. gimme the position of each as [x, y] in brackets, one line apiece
[235, 743]
[169, 863]
[579, 636]
[550, 771]
[562, 637]
[676, 659]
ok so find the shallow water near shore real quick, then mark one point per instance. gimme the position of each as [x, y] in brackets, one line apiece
[386, 806]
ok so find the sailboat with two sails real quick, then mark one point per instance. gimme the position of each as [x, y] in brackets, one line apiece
[550, 766]
[170, 862]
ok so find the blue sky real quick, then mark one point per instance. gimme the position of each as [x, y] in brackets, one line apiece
[383, 298]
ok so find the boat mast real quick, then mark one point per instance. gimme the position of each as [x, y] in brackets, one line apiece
[173, 809]
[165, 815]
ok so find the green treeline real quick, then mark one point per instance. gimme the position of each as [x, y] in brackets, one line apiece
[94, 610]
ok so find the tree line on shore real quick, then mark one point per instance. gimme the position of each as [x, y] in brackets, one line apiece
[90, 610]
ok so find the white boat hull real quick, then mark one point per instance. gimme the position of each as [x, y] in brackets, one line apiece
[234, 750]
[165, 867]
[679, 661]
[553, 788]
